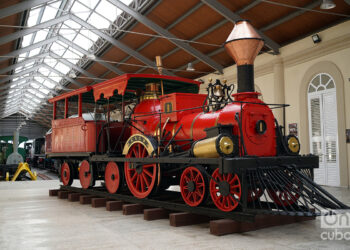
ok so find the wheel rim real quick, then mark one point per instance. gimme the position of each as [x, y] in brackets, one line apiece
[65, 174]
[85, 174]
[283, 197]
[112, 177]
[254, 194]
[141, 178]
[225, 190]
[193, 186]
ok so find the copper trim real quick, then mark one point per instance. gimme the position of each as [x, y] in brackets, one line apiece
[244, 43]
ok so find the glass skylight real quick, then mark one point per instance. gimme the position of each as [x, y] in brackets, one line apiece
[35, 85]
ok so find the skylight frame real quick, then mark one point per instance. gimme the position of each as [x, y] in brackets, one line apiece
[18, 84]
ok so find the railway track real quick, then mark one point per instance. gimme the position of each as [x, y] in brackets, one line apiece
[169, 200]
[169, 206]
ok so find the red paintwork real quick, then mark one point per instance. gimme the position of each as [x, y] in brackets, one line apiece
[146, 117]
[193, 124]
[181, 101]
[119, 83]
[77, 135]
[69, 94]
[66, 174]
[142, 183]
[74, 135]
[85, 174]
[112, 177]
[197, 196]
[48, 145]
[230, 201]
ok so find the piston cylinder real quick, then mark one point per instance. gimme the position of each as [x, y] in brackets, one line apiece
[221, 145]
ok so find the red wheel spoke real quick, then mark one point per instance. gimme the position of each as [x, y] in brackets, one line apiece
[233, 200]
[145, 179]
[219, 177]
[147, 172]
[138, 182]
[198, 193]
[148, 166]
[200, 185]
[225, 203]
[138, 150]
[142, 184]
[134, 151]
[196, 179]
[134, 177]
[193, 176]
[144, 152]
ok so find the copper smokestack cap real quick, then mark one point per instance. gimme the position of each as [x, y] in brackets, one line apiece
[244, 43]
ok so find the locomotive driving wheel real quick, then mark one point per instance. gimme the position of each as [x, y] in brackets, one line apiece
[112, 177]
[85, 175]
[66, 174]
[225, 190]
[140, 178]
[194, 186]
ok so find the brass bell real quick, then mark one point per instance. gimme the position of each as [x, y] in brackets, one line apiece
[218, 91]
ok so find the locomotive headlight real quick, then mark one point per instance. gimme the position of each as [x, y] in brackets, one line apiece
[293, 144]
[226, 145]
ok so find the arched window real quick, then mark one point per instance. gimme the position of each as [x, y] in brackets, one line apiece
[323, 128]
[321, 82]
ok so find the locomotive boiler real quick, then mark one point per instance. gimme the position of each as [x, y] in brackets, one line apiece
[222, 149]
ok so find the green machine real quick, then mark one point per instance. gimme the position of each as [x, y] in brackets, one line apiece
[6, 147]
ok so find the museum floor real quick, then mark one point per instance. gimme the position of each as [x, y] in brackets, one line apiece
[30, 219]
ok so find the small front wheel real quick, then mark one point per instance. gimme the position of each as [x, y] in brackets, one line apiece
[194, 186]
[225, 190]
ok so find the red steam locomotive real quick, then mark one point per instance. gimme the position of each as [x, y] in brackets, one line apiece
[142, 133]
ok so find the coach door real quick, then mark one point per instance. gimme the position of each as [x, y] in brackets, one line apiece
[323, 128]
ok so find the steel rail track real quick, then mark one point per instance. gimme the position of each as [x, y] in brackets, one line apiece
[173, 205]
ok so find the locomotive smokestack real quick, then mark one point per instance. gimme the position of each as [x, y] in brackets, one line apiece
[243, 45]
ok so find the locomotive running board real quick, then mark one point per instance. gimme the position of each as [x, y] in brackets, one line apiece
[174, 206]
